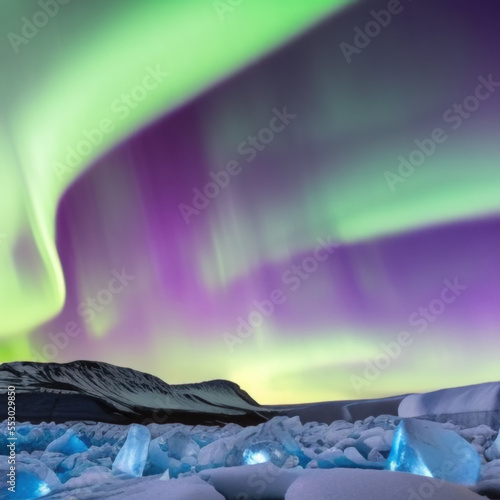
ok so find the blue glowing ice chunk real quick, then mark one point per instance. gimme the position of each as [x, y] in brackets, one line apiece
[426, 449]
[31, 479]
[30, 486]
[255, 457]
[69, 443]
[131, 458]
[262, 452]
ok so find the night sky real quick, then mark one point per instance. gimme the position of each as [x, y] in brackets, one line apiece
[203, 194]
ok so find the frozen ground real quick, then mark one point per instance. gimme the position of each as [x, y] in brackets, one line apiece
[281, 458]
[108, 438]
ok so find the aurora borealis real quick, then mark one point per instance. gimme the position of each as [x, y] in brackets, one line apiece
[170, 169]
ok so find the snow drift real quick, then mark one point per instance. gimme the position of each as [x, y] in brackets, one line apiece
[470, 405]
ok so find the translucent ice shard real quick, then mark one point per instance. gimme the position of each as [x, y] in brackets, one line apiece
[493, 452]
[68, 444]
[181, 445]
[131, 458]
[426, 449]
